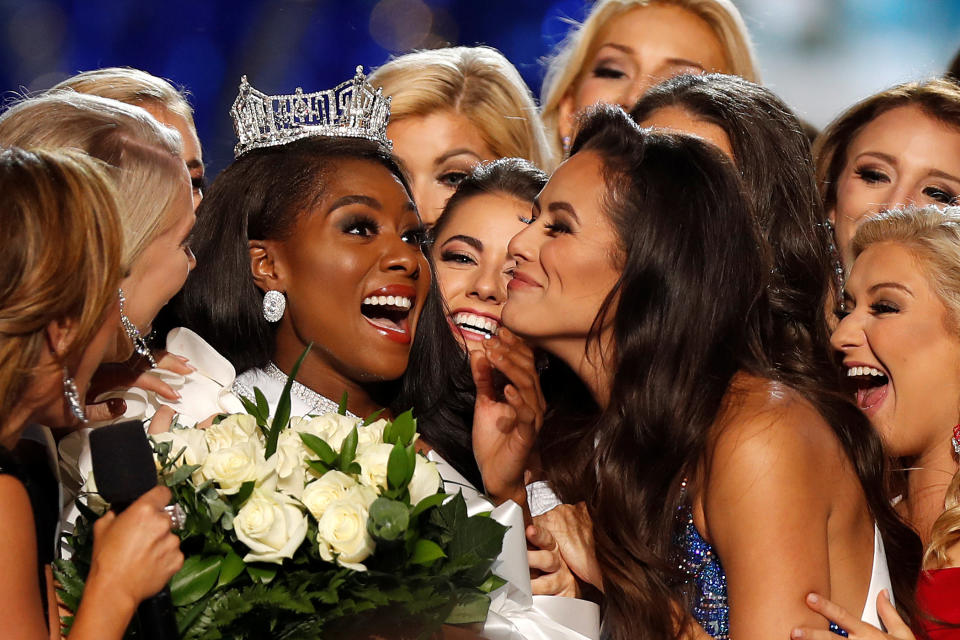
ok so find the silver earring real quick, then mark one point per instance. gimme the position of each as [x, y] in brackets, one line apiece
[139, 344]
[274, 305]
[566, 144]
[838, 274]
[72, 395]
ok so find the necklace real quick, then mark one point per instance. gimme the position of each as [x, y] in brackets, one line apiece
[318, 403]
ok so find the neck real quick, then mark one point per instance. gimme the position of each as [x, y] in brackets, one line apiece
[317, 374]
[589, 360]
[927, 483]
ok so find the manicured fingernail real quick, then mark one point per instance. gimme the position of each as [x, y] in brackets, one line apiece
[813, 598]
[116, 406]
[796, 633]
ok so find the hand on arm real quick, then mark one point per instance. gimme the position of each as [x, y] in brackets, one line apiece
[550, 574]
[505, 430]
[571, 527]
[856, 628]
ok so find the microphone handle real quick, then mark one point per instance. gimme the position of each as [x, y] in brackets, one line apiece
[156, 618]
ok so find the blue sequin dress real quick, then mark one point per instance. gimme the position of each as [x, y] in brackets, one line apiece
[702, 568]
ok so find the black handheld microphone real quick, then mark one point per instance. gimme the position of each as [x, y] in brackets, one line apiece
[124, 470]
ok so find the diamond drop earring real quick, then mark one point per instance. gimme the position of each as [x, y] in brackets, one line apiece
[274, 304]
[72, 396]
[955, 440]
[139, 344]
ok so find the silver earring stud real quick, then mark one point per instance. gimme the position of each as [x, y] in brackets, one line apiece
[72, 396]
[274, 304]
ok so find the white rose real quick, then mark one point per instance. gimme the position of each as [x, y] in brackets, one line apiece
[231, 431]
[425, 481]
[342, 531]
[290, 465]
[373, 464]
[232, 466]
[370, 434]
[191, 441]
[333, 485]
[331, 427]
[271, 525]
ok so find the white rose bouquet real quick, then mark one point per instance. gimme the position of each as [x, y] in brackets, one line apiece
[311, 527]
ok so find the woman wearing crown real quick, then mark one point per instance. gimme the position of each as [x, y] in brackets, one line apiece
[312, 237]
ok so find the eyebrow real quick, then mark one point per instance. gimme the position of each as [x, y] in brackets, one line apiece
[456, 152]
[673, 61]
[195, 164]
[890, 285]
[373, 203]
[553, 207]
[470, 240]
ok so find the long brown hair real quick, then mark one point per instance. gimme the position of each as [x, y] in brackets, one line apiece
[60, 258]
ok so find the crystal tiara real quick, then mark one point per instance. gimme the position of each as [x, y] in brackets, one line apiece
[351, 109]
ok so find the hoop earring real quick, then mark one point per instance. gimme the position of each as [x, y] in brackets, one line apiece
[139, 344]
[72, 395]
[274, 304]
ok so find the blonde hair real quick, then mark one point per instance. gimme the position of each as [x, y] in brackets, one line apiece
[144, 155]
[131, 86]
[60, 258]
[938, 98]
[476, 82]
[932, 235]
[565, 66]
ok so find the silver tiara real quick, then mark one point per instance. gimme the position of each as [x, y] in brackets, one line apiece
[351, 109]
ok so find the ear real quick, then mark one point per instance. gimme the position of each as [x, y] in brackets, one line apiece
[832, 217]
[566, 113]
[267, 270]
[60, 334]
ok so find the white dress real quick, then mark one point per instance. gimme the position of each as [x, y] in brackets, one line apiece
[515, 614]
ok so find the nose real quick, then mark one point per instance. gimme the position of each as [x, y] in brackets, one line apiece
[902, 196]
[848, 334]
[523, 247]
[401, 257]
[489, 284]
[636, 90]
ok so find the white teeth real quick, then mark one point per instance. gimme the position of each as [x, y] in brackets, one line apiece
[475, 322]
[853, 372]
[391, 301]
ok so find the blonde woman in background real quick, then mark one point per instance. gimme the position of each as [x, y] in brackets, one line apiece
[60, 266]
[159, 98]
[900, 340]
[624, 47]
[452, 109]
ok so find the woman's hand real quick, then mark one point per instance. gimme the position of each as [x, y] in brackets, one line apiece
[134, 553]
[856, 628]
[125, 375]
[550, 574]
[505, 428]
[571, 527]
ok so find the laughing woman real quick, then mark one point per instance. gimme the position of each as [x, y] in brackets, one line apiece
[719, 488]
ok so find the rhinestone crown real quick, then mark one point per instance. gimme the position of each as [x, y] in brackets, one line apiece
[351, 109]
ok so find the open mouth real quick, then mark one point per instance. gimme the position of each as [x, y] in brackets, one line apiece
[475, 327]
[389, 312]
[871, 385]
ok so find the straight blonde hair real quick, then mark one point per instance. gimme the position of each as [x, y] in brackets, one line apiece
[932, 235]
[144, 156]
[565, 66]
[60, 258]
[476, 82]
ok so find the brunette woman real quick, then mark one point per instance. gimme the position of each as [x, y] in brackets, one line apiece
[708, 455]
[896, 148]
[59, 270]
[453, 108]
[624, 47]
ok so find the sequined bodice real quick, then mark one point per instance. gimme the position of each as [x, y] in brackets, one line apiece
[697, 560]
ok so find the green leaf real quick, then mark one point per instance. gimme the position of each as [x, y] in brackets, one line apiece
[320, 447]
[373, 417]
[397, 468]
[263, 408]
[388, 519]
[492, 583]
[426, 551]
[282, 414]
[241, 496]
[348, 450]
[318, 466]
[220, 417]
[482, 536]
[470, 607]
[250, 407]
[411, 463]
[231, 567]
[182, 473]
[404, 426]
[194, 580]
[262, 574]
[427, 503]
[342, 407]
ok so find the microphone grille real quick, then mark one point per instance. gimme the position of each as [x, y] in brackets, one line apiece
[123, 466]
